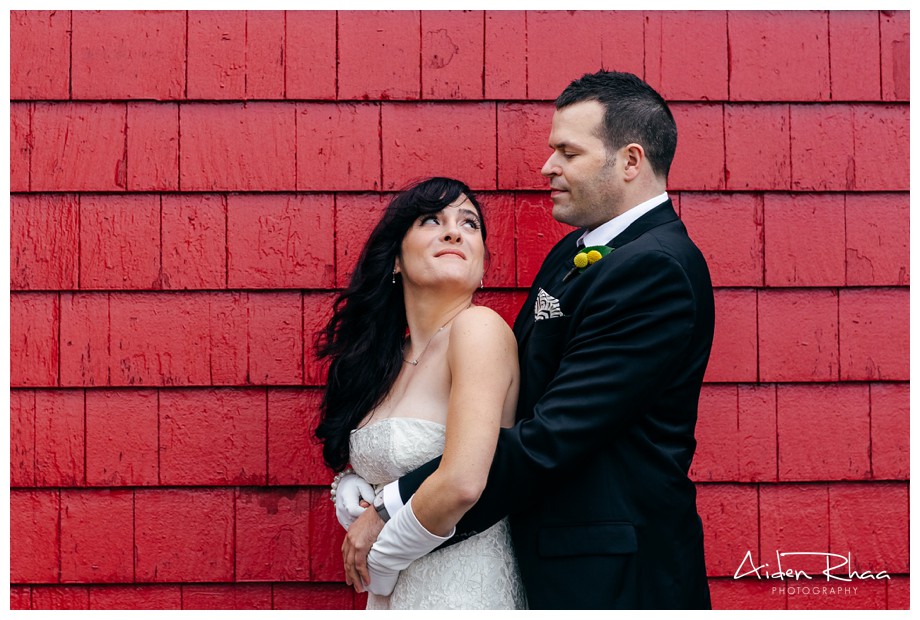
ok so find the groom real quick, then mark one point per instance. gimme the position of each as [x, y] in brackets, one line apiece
[613, 346]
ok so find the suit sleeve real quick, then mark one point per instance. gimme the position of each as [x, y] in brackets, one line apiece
[634, 332]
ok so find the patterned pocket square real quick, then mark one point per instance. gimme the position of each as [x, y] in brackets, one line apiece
[546, 307]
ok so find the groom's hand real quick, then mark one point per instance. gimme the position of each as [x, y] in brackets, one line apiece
[358, 542]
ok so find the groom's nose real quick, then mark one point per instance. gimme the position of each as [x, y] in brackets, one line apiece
[551, 167]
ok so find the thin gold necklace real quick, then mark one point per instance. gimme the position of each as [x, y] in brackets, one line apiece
[415, 361]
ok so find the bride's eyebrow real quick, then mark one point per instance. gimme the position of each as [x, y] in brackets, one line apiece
[469, 213]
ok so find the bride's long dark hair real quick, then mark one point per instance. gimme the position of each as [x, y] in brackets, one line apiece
[363, 340]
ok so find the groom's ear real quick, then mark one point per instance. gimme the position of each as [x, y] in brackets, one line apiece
[633, 160]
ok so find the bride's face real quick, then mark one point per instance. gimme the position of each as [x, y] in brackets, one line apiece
[444, 248]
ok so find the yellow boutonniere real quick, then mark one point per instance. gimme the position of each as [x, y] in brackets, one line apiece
[585, 258]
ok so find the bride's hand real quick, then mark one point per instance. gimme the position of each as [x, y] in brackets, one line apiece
[358, 542]
[352, 496]
[384, 577]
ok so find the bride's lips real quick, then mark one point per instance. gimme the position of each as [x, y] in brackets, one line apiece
[454, 252]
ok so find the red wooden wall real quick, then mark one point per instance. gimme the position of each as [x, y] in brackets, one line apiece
[190, 188]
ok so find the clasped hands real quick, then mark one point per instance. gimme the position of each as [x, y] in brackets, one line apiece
[352, 496]
[373, 552]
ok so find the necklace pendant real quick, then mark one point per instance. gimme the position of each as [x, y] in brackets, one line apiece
[415, 363]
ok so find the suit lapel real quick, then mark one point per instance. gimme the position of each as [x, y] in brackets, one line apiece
[548, 278]
[662, 214]
[558, 264]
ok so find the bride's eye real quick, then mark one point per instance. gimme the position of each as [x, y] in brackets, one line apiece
[474, 224]
[428, 218]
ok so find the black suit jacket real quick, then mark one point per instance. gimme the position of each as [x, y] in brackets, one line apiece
[594, 472]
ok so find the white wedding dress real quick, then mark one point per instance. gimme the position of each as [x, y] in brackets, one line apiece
[477, 573]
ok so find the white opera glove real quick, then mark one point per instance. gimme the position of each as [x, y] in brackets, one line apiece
[402, 540]
[347, 490]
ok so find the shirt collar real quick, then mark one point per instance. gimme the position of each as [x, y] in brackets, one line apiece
[608, 231]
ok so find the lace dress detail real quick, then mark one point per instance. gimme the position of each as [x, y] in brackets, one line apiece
[477, 573]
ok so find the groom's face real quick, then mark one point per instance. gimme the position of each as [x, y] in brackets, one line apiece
[585, 190]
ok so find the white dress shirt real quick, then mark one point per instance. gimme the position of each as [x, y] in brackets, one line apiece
[610, 229]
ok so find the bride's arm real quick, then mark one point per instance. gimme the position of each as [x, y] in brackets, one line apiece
[482, 357]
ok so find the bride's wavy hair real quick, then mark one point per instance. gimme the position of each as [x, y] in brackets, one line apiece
[363, 340]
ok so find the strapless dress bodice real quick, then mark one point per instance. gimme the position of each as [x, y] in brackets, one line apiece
[479, 572]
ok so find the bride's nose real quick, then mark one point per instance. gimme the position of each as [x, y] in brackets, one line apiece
[451, 232]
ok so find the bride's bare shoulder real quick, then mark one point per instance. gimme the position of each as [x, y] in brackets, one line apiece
[481, 319]
[481, 329]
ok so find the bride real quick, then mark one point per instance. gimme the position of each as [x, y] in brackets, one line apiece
[416, 370]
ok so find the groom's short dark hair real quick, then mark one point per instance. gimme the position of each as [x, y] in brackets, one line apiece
[633, 112]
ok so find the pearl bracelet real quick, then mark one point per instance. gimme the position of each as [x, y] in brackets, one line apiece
[335, 481]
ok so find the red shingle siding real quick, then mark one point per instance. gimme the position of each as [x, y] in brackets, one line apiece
[189, 190]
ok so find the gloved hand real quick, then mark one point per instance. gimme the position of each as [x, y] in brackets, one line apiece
[402, 540]
[350, 490]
